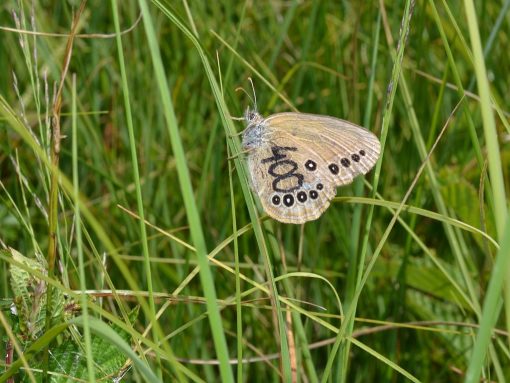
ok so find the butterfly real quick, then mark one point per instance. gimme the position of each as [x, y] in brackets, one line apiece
[297, 160]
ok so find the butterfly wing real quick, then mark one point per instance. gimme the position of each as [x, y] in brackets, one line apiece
[349, 149]
[303, 158]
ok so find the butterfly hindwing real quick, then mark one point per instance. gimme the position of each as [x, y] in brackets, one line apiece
[286, 178]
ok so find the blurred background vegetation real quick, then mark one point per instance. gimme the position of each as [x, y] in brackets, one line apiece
[416, 315]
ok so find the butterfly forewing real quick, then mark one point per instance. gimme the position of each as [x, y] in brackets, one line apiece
[348, 149]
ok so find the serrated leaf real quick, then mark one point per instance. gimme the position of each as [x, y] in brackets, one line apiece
[68, 361]
[423, 276]
[462, 197]
[30, 296]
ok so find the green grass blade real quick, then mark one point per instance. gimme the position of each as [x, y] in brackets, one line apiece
[489, 123]
[491, 309]
[197, 235]
[79, 243]
[133, 147]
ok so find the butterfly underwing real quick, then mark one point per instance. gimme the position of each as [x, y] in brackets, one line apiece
[297, 160]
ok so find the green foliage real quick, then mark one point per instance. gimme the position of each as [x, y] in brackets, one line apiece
[68, 359]
[216, 281]
[29, 296]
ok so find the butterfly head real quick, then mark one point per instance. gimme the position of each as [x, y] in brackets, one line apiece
[252, 117]
[253, 134]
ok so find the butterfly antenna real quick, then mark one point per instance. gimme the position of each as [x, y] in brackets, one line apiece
[246, 93]
[254, 94]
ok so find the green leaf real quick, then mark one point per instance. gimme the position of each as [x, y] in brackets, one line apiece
[30, 296]
[69, 361]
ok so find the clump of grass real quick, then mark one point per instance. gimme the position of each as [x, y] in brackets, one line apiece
[401, 277]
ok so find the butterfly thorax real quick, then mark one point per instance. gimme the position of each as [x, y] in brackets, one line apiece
[256, 129]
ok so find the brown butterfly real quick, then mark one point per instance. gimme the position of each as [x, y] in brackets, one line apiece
[297, 160]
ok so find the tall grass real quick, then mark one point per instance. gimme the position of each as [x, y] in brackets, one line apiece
[403, 278]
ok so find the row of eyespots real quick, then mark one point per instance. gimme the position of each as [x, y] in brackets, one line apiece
[333, 168]
[302, 196]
